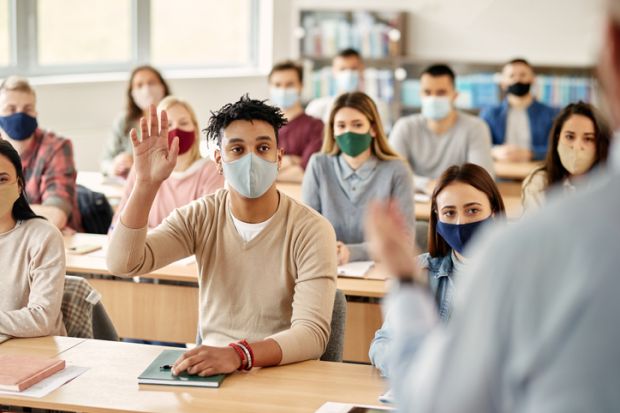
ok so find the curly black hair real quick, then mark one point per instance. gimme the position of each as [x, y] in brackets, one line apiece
[244, 109]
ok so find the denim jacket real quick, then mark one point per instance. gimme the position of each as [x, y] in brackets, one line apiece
[541, 119]
[441, 282]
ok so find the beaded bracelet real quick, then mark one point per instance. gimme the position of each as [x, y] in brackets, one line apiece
[240, 353]
[249, 353]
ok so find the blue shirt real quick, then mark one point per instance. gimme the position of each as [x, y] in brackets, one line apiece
[535, 317]
[441, 272]
[541, 119]
[341, 195]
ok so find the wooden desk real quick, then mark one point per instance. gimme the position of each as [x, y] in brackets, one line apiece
[42, 346]
[110, 385]
[165, 312]
[515, 170]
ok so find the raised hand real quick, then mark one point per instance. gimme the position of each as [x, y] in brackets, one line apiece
[153, 160]
[390, 242]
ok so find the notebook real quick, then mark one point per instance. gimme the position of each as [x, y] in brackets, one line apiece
[17, 373]
[356, 269]
[154, 374]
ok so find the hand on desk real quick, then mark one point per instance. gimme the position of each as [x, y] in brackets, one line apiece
[511, 153]
[390, 242]
[343, 253]
[207, 361]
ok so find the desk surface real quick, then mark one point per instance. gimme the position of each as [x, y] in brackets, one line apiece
[373, 285]
[110, 384]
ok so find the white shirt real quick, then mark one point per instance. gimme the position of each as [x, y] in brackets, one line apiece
[249, 231]
[518, 130]
[535, 324]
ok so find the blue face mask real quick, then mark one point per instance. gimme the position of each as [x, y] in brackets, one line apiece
[436, 107]
[458, 235]
[347, 81]
[19, 126]
[251, 175]
[284, 97]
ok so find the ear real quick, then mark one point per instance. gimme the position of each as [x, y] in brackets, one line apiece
[373, 131]
[217, 157]
[280, 155]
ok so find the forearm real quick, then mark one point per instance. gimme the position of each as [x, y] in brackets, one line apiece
[266, 353]
[135, 215]
[33, 321]
[53, 214]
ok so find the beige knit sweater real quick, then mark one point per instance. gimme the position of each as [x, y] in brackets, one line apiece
[32, 277]
[279, 285]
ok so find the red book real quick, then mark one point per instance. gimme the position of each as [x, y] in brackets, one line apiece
[17, 373]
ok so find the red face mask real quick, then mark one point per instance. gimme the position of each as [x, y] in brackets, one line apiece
[186, 139]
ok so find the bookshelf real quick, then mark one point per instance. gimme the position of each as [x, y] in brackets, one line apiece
[392, 75]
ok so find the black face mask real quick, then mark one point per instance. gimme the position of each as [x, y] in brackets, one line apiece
[519, 89]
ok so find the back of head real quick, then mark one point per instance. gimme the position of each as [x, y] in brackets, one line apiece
[470, 174]
[364, 104]
[21, 209]
[247, 109]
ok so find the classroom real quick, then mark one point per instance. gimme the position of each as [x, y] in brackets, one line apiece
[309, 206]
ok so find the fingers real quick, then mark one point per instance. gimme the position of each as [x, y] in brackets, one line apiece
[173, 151]
[164, 125]
[134, 135]
[144, 129]
[154, 122]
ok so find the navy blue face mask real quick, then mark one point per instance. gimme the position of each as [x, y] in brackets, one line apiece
[19, 126]
[458, 235]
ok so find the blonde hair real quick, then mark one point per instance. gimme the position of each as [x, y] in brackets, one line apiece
[363, 103]
[170, 101]
[16, 83]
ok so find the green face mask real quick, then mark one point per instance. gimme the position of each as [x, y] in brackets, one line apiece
[353, 143]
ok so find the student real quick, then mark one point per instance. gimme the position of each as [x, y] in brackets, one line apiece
[440, 136]
[348, 73]
[579, 141]
[267, 264]
[32, 256]
[464, 199]
[47, 159]
[536, 317]
[520, 124]
[146, 87]
[356, 166]
[192, 177]
[302, 135]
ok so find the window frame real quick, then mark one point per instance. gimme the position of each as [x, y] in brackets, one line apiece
[23, 39]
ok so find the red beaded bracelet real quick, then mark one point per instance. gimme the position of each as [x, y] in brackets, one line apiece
[251, 359]
[240, 353]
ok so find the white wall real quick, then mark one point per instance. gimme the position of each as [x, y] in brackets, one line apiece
[545, 31]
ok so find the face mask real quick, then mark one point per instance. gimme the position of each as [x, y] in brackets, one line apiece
[574, 160]
[19, 126]
[436, 107]
[251, 175]
[147, 96]
[353, 143]
[186, 139]
[9, 193]
[458, 235]
[284, 97]
[519, 89]
[347, 81]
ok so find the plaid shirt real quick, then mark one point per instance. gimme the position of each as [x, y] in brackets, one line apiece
[50, 175]
[78, 300]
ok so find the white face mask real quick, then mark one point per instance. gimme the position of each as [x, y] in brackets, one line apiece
[436, 107]
[147, 95]
[575, 160]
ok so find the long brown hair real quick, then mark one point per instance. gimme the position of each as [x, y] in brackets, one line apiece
[555, 171]
[363, 103]
[469, 174]
[132, 111]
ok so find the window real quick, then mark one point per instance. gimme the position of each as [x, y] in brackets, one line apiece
[203, 33]
[5, 30]
[95, 31]
[77, 36]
